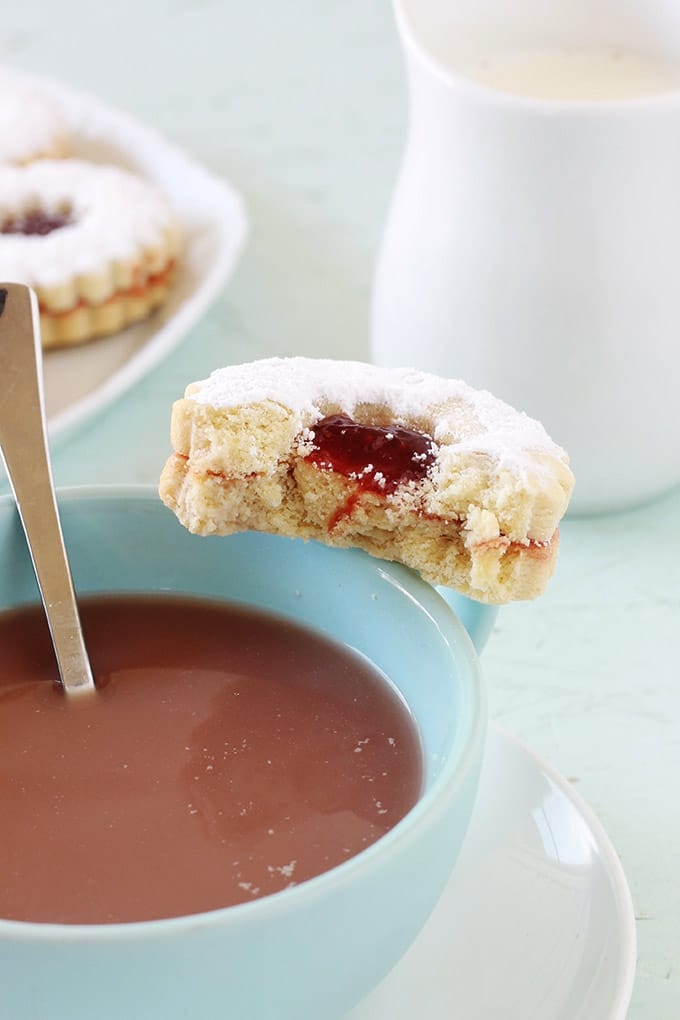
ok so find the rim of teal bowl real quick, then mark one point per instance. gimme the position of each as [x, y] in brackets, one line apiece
[424, 813]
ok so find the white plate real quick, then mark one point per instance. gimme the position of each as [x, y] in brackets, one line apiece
[537, 921]
[81, 380]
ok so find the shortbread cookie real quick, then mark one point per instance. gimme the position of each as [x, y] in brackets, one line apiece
[405, 465]
[98, 245]
[31, 127]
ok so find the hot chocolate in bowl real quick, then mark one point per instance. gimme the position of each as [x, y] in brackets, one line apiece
[313, 949]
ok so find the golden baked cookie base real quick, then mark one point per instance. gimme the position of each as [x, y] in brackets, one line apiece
[302, 501]
[89, 321]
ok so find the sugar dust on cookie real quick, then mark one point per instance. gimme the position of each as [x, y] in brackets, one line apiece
[98, 244]
[406, 465]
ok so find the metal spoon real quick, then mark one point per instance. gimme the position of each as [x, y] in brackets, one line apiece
[23, 444]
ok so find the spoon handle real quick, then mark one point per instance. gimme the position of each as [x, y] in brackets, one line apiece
[23, 443]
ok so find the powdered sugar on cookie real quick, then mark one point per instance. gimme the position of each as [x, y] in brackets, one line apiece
[31, 127]
[472, 421]
[403, 464]
[112, 216]
[96, 243]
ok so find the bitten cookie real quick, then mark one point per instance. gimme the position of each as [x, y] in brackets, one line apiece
[406, 465]
[98, 245]
[31, 127]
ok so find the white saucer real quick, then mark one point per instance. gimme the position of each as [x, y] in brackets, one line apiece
[536, 922]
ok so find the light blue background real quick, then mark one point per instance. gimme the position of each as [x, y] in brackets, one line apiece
[302, 105]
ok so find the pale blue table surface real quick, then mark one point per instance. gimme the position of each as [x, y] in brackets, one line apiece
[302, 106]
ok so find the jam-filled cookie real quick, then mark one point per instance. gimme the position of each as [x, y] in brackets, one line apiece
[98, 245]
[406, 465]
[31, 127]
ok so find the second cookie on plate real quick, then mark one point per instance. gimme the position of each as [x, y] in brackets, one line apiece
[97, 243]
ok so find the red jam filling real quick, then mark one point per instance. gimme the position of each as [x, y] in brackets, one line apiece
[378, 458]
[36, 222]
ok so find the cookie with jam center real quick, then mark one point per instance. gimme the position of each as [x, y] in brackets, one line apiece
[404, 464]
[97, 243]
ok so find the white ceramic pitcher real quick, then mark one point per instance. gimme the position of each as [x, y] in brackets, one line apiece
[533, 246]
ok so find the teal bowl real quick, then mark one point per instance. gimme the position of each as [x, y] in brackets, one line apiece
[312, 951]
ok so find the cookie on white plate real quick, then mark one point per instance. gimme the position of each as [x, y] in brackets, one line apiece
[98, 244]
[406, 465]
